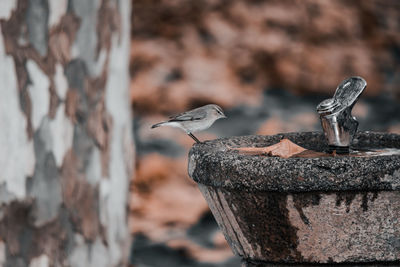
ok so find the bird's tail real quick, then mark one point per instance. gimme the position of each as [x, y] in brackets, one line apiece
[157, 125]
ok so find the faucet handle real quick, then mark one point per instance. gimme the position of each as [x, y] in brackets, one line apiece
[348, 91]
[335, 114]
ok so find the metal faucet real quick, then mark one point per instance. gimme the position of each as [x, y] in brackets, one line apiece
[335, 113]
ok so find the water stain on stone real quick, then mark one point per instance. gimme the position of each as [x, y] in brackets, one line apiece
[305, 200]
[374, 196]
[264, 221]
[365, 199]
[364, 202]
[347, 197]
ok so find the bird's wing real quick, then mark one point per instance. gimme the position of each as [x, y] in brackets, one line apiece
[192, 115]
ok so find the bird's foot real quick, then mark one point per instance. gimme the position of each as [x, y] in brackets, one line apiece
[194, 138]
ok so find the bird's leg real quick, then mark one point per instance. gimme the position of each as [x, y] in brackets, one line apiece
[194, 138]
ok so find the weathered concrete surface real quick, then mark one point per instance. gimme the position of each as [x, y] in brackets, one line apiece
[214, 163]
[301, 210]
[309, 227]
[66, 150]
[264, 264]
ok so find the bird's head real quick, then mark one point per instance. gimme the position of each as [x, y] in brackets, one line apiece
[217, 112]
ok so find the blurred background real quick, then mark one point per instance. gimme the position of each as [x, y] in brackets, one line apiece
[267, 63]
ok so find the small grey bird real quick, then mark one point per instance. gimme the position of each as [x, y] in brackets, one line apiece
[194, 120]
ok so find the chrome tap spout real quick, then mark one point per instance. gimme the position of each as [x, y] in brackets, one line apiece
[335, 114]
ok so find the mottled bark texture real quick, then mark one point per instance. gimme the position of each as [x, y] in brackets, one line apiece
[65, 141]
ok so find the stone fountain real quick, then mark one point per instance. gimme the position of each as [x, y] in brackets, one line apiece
[339, 205]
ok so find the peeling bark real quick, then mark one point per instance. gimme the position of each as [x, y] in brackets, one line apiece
[67, 153]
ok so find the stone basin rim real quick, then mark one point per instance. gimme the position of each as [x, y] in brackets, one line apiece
[212, 163]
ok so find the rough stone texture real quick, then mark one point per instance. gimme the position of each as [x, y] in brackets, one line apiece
[66, 150]
[215, 163]
[264, 264]
[329, 210]
[340, 227]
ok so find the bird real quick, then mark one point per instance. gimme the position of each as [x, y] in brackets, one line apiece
[194, 120]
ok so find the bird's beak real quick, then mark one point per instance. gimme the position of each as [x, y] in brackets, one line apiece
[224, 116]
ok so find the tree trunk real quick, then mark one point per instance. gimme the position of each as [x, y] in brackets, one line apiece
[65, 132]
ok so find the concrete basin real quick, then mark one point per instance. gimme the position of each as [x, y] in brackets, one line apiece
[319, 210]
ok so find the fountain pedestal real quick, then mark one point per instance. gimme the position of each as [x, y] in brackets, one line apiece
[326, 210]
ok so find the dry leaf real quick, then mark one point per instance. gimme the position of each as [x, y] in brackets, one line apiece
[284, 149]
